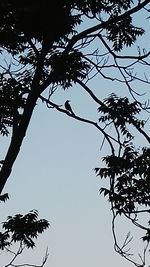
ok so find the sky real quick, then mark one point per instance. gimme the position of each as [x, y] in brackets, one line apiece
[54, 173]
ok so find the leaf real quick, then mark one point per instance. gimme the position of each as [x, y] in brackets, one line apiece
[104, 191]
[4, 197]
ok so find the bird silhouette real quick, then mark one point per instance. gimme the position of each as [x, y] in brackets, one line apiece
[68, 107]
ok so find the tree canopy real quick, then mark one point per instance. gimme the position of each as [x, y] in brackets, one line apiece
[68, 43]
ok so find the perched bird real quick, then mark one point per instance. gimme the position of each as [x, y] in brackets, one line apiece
[68, 107]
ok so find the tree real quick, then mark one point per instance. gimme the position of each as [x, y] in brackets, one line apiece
[90, 39]
[21, 231]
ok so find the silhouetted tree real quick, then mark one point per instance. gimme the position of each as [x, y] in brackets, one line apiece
[19, 233]
[76, 42]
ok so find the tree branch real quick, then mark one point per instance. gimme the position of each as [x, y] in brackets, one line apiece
[121, 57]
[106, 135]
[104, 24]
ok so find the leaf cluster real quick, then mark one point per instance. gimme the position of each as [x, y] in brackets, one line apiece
[131, 179]
[121, 113]
[66, 68]
[10, 102]
[4, 197]
[23, 229]
[122, 33]
[95, 6]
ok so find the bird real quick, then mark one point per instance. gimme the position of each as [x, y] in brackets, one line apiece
[68, 107]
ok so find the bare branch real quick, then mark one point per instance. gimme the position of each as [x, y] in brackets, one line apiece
[139, 57]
